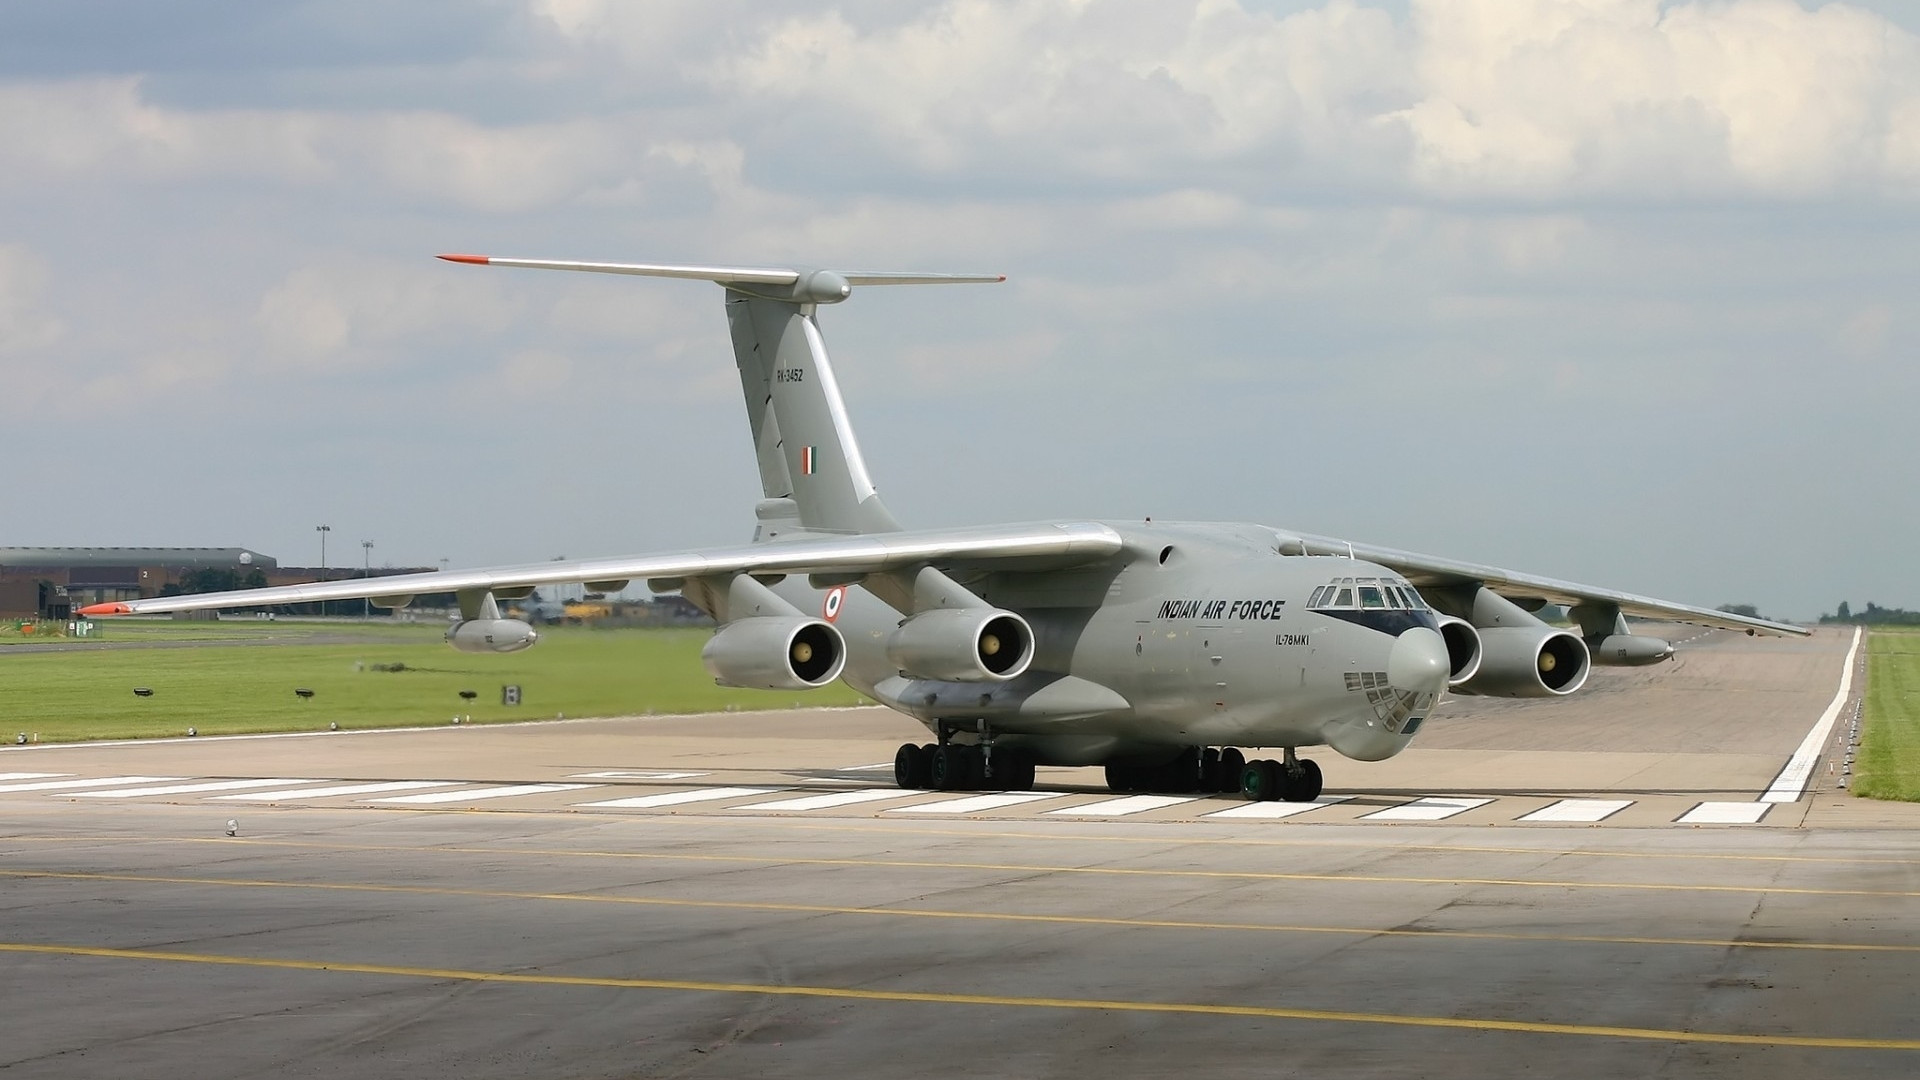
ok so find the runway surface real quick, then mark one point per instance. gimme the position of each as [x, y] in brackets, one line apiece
[724, 896]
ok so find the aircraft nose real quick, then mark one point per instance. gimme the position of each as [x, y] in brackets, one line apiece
[1418, 662]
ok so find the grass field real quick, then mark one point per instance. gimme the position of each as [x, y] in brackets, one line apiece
[1888, 764]
[235, 677]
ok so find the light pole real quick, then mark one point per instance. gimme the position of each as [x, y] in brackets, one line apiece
[323, 530]
[366, 602]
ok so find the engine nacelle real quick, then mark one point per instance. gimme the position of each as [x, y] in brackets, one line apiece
[1528, 661]
[962, 645]
[491, 635]
[775, 652]
[1629, 650]
[1463, 649]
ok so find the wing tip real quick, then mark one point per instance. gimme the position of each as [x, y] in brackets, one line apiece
[476, 260]
[105, 609]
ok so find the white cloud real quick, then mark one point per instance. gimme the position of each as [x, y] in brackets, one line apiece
[25, 324]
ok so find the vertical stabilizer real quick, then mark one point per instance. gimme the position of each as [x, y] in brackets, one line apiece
[802, 437]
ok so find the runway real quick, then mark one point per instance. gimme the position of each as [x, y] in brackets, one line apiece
[813, 921]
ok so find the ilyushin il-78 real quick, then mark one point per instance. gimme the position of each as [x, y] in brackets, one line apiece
[1162, 651]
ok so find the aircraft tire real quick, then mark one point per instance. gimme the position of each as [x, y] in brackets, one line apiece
[1227, 769]
[1123, 778]
[1260, 780]
[1012, 771]
[1304, 787]
[912, 767]
[950, 770]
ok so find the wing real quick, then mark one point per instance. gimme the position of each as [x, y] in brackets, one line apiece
[1426, 570]
[1036, 547]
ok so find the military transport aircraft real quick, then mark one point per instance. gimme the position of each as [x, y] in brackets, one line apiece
[1155, 649]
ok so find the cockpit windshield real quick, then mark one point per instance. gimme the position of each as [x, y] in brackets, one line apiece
[1366, 594]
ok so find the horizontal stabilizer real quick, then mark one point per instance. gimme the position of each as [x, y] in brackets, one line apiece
[786, 283]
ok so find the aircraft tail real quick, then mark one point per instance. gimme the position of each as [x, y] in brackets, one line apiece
[812, 477]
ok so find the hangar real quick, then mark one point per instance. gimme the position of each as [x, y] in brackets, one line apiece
[50, 582]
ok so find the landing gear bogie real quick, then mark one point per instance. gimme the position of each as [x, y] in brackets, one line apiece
[1293, 780]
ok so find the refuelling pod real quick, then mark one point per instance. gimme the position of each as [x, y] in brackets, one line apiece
[1463, 649]
[775, 652]
[491, 635]
[1629, 650]
[1528, 661]
[962, 645]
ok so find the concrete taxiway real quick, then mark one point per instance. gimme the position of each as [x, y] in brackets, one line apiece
[561, 904]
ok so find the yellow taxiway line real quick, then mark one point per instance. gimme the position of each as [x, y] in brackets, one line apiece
[1456, 1023]
[936, 913]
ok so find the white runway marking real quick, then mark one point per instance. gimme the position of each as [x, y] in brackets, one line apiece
[1726, 813]
[1579, 810]
[829, 800]
[185, 789]
[975, 804]
[328, 792]
[844, 781]
[30, 775]
[1132, 804]
[104, 781]
[868, 768]
[1273, 810]
[1432, 808]
[620, 775]
[1792, 780]
[470, 794]
[676, 798]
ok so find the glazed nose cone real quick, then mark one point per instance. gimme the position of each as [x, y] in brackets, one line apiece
[1418, 662]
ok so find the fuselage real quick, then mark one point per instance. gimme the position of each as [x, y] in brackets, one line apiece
[1195, 635]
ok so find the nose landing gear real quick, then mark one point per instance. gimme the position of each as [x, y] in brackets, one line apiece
[1290, 780]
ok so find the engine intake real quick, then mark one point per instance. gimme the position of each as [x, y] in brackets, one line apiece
[962, 645]
[491, 635]
[1528, 661]
[1463, 649]
[770, 652]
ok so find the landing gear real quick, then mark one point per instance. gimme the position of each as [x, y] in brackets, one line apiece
[913, 766]
[956, 767]
[1292, 780]
[1195, 769]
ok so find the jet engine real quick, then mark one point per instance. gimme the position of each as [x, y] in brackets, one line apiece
[1528, 661]
[491, 635]
[775, 652]
[1463, 649]
[962, 645]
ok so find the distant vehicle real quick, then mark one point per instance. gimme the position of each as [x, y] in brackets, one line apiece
[1155, 649]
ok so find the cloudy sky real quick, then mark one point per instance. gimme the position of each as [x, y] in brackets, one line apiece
[1615, 290]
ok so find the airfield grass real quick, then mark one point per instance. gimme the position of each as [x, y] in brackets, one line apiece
[1888, 764]
[240, 678]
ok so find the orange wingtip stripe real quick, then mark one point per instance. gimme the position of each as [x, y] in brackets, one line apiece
[106, 609]
[477, 260]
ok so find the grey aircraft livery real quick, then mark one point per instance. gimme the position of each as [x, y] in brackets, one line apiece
[1155, 649]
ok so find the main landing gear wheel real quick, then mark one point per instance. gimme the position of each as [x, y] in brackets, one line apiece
[1301, 786]
[953, 767]
[1223, 770]
[913, 767]
[1272, 781]
[1260, 780]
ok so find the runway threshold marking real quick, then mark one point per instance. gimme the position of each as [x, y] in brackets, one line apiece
[778, 861]
[976, 804]
[188, 789]
[1725, 813]
[76, 785]
[1431, 808]
[1588, 810]
[30, 775]
[675, 798]
[827, 801]
[1265, 1012]
[1440, 935]
[1273, 811]
[470, 794]
[330, 792]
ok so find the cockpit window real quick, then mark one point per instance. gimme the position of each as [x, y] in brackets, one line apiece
[1367, 594]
